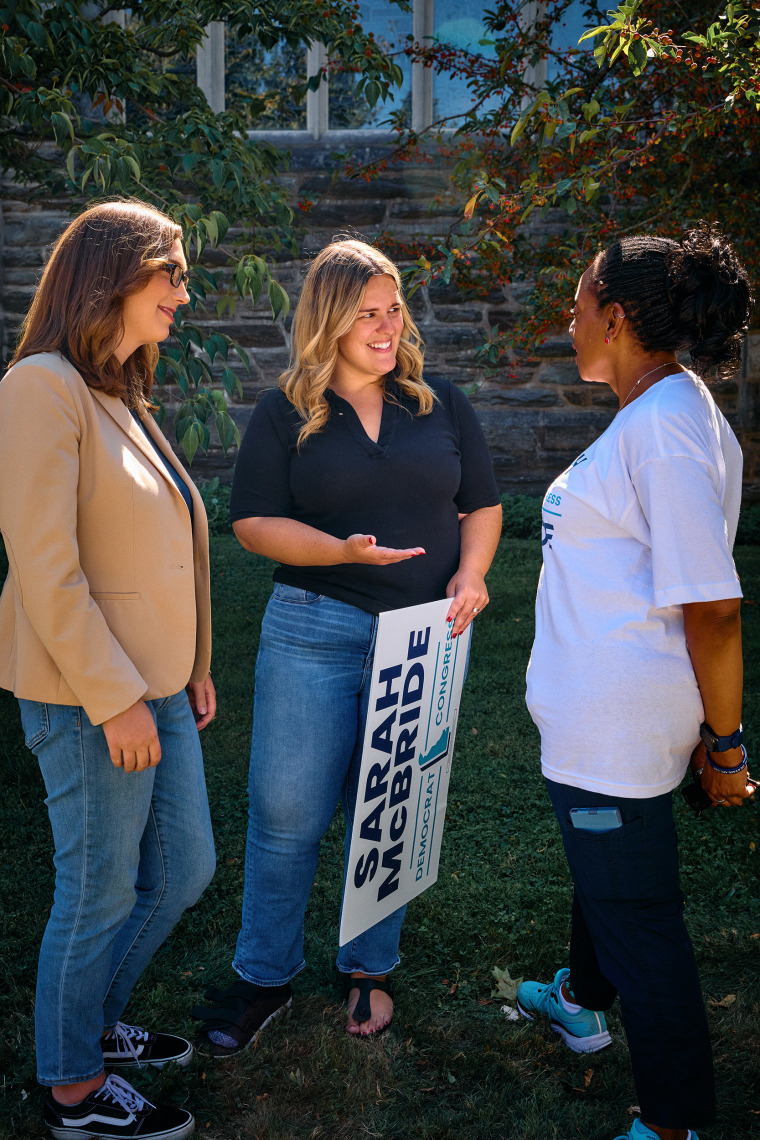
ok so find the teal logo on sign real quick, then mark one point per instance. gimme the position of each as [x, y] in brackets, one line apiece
[437, 752]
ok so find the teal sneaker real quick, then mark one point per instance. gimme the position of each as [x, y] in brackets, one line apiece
[639, 1131]
[583, 1032]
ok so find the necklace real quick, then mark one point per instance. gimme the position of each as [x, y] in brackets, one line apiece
[635, 386]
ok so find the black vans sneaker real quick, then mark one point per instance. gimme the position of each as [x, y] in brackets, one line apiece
[126, 1045]
[115, 1111]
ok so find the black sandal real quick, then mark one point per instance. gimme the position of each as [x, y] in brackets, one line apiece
[362, 1011]
[240, 1012]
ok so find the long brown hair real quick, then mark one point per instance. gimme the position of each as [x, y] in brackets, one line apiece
[106, 254]
[328, 306]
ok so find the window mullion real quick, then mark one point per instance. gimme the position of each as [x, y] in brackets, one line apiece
[209, 65]
[317, 102]
[422, 77]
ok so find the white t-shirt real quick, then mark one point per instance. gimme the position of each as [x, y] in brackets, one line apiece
[643, 521]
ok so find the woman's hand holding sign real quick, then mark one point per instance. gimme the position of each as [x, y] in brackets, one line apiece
[479, 534]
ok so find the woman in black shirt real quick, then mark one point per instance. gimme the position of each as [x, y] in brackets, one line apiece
[372, 490]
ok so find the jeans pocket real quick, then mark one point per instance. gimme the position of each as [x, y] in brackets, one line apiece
[35, 722]
[294, 595]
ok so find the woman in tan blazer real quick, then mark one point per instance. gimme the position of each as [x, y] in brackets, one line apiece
[105, 639]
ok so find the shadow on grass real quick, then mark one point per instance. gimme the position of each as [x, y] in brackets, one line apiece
[452, 1067]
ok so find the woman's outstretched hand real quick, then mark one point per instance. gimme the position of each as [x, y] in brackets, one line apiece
[132, 738]
[364, 548]
[725, 791]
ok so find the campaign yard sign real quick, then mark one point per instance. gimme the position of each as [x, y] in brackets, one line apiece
[408, 746]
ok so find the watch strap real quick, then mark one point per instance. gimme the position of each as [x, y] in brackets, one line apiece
[715, 743]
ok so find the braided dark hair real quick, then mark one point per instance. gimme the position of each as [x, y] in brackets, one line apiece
[690, 295]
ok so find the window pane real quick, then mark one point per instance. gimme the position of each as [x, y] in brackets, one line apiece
[461, 26]
[391, 26]
[259, 83]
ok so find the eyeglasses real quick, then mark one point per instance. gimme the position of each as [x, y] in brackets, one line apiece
[177, 275]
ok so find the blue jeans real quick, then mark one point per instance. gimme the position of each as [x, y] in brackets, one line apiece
[132, 851]
[629, 938]
[310, 704]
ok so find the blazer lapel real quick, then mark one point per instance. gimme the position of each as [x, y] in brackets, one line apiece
[124, 418]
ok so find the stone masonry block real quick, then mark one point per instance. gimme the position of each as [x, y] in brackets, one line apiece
[753, 355]
[559, 372]
[381, 189]
[442, 294]
[17, 300]
[342, 214]
[504, 319]
[420, 209]
[454, 314]
[451, 338]
[22, 256]
[33, 229]
[525, 397]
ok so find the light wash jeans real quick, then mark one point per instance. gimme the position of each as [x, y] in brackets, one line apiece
[132, 851]
[312, 691]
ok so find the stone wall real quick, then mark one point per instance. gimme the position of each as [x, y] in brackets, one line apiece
[537, 415]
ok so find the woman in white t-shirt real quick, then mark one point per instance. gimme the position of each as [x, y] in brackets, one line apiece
[638, 654]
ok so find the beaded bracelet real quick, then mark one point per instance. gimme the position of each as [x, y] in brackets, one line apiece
[729, 771]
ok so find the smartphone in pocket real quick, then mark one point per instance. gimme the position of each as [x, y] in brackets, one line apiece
[596, 818]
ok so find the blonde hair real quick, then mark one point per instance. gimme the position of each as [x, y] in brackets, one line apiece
[106, 254]
[328, 306]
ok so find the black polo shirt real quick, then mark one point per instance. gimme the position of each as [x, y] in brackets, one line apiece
[407, 489]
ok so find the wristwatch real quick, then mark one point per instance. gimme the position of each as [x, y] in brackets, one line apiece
[715, 743]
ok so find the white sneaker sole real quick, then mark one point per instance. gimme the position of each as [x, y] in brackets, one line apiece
[128, 1062]
[591, 1044]
[178, 1133]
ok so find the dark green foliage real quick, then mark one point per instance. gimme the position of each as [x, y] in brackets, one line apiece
[522, 516]
[748, 532]
[216, 499]
[452, 1067]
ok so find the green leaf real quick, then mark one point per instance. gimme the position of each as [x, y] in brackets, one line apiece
[517, 130]
[62, 127]
[191, 440]
[222, 224]
[592, 33]
[278, 299]
[637, 57]
[230, 382]
[227, 429]
[37, 33]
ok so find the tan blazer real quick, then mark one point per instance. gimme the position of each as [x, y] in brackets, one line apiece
[107, 599]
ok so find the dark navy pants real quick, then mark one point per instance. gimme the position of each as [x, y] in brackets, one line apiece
[629, 939]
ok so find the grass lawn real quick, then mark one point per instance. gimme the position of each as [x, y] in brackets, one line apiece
[452, 1066]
